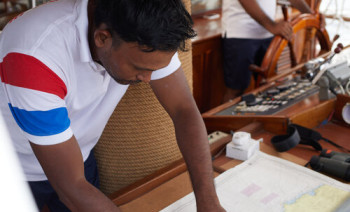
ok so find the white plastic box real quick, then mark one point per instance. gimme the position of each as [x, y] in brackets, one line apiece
[242, 146]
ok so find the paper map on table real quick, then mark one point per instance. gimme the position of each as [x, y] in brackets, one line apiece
[267, 183]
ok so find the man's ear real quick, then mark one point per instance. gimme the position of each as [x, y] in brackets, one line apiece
[102, 37]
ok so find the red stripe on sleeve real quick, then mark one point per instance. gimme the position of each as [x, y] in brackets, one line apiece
[28, 72]
[1, 73]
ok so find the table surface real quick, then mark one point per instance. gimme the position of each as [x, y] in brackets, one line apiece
[180, 186]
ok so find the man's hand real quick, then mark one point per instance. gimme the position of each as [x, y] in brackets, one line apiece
[283, 29]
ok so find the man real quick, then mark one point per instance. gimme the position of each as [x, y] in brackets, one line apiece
[248, 28]
[65, 66]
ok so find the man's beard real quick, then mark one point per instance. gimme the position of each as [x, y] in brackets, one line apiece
[123, 81]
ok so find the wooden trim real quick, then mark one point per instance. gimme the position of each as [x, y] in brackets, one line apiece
[148, 183]
[218, 169]
[159, 177]
[273, 123]
[315, 115]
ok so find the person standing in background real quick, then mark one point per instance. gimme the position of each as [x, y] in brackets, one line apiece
[248, 28]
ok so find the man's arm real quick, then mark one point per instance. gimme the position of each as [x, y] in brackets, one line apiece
[301, 5]
[64, 168]
[281, 28]
[173, 93]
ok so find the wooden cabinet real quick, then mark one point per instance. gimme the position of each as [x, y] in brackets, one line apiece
[208, 82]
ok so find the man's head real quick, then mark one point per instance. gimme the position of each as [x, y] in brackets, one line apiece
[151, 29]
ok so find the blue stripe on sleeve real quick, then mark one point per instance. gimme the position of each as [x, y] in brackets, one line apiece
[41, 123]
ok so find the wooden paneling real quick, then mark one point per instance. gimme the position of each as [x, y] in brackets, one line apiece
[208, 82]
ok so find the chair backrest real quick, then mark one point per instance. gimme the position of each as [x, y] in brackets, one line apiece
[139, 138]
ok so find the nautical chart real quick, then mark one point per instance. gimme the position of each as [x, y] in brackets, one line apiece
[267, 183]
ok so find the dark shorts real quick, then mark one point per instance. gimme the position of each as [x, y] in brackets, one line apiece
[238, 54]
[44, 194]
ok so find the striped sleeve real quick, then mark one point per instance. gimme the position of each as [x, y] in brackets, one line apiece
[36, 99]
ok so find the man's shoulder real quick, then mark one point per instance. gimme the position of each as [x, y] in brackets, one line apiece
[44, 36]
[33, 26]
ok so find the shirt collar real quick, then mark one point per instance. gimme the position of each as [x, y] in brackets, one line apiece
[82, 26]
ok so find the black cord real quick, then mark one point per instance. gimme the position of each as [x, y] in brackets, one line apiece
[336, 145]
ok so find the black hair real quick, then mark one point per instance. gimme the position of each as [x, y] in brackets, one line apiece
[154, 24]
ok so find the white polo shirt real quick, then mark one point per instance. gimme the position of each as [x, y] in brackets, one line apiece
[50, 87]
[237, 23]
